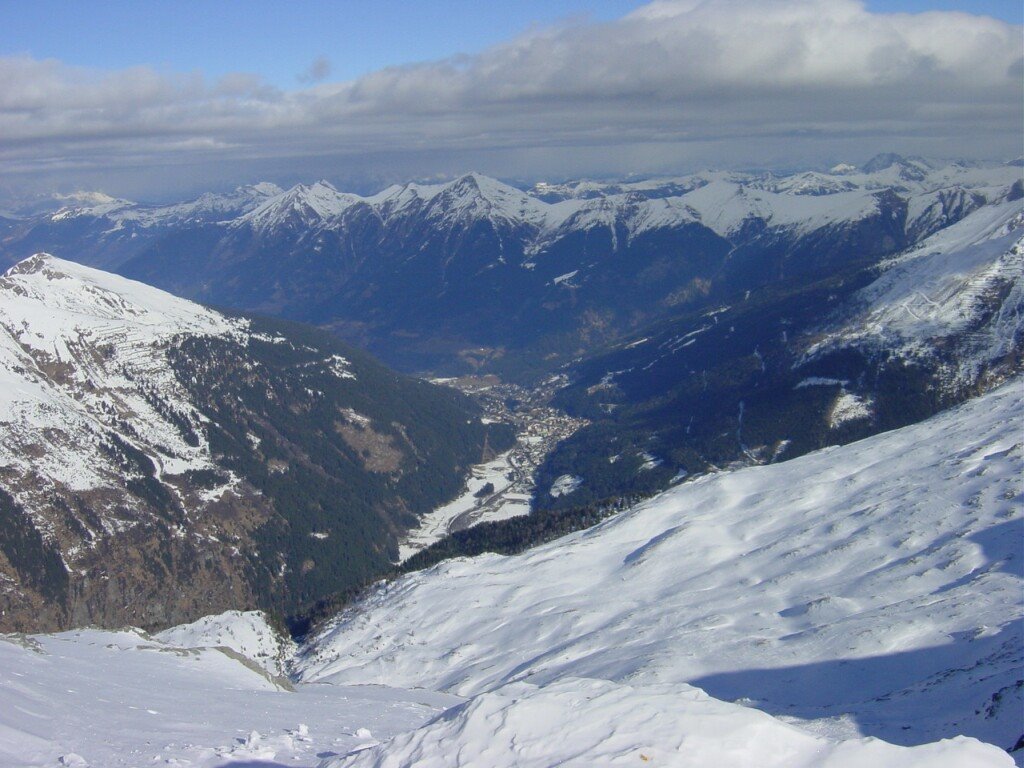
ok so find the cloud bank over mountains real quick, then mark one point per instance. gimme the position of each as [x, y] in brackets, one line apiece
[677, 83]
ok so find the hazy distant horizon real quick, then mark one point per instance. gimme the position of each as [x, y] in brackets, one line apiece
[368, 186]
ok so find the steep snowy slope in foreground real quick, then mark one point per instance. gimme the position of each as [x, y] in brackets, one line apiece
[585, 723]
[872, 589]
[868, 590]
[94, 698]
[121, 699]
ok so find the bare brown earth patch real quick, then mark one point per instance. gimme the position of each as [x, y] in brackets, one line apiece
[375, 449]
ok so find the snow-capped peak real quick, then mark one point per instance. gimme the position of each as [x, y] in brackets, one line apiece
[208, 206]
[90, 204]
[85, 198]
[475, 195]
[842, 168]
[303, 205]
[882, 161]
[48, 293]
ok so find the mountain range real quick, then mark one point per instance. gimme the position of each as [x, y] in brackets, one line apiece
[786, 370]
[696, 322]
[785, 531]
[475, 274]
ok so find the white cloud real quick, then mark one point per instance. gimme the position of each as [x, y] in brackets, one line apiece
[675, 79]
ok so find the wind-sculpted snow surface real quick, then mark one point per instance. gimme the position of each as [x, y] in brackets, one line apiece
[95, 699]
[580, 722]
[872, 589]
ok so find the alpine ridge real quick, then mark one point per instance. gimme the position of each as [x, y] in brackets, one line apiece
[476, 274]
[160, 460]
[776, 373]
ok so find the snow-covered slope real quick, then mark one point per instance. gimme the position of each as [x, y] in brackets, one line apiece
[79, 349]
[871, 589]
[93, 699]
[245, 632]
[99, 438]
[585, 722]
[107, 699]
[725, 206]
[959, 292]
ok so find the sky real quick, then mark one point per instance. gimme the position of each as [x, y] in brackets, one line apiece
[156, 99]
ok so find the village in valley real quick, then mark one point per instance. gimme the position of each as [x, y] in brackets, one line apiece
[503, 486]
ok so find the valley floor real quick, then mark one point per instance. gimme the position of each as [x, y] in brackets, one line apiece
[510, 476]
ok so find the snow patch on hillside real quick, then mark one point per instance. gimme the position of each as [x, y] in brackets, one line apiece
[245, 632]
[564, 485]
[821, 381]
[848, 407]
